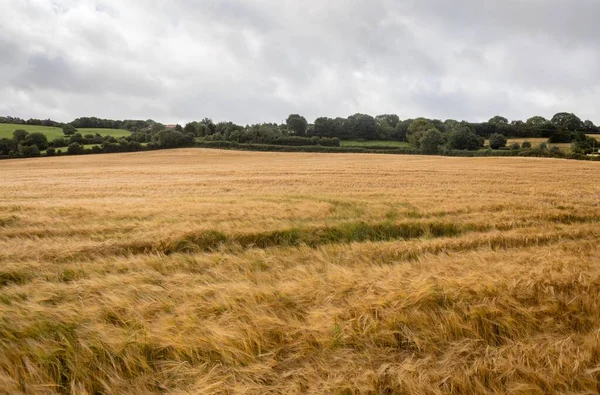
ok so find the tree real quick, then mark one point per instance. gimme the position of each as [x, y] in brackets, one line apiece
[417, 129]
[296, 124]
[191, 127]
[526, 145]
[75, 149]
[386, 126]
[171, 139]
[498, 120]
[178, 128]
[8, 146]
[20, 135]
[38, 139]
[567, 121]
[497, 141]
[401, 131]
[206, 127]
[76, 138]
[515, 147]
[536, 121]
[464, 139]
[326, 127]
[361, 126]
[69, 130]
[431, 141]
[590, 128]
[29, 151]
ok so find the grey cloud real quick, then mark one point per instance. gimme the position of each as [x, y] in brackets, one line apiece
[258, 60]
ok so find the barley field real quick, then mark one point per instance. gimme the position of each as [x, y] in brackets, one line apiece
[202, 271]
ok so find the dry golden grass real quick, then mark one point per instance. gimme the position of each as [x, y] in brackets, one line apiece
[203, 271]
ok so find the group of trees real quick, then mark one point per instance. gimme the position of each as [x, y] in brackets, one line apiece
[31, 121]
[427, 135]
[128, 124]
[293, 133]
[84, 122]
[25, 144]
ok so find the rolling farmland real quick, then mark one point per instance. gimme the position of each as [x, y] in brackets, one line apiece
[7, 129]
[207, 271]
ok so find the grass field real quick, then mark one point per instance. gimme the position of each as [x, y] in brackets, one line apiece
[374, 143]
[207, 271]
[7, 129]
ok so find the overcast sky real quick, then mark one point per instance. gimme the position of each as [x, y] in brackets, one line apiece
[259, 60]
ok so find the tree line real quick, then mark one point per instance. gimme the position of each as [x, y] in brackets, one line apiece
[429, 136]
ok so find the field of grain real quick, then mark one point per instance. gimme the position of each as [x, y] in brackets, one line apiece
[206, 271]
[7, 129]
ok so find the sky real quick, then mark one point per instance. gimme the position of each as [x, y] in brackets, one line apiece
[251, 61]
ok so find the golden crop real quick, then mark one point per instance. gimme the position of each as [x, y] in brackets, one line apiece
[204, 271]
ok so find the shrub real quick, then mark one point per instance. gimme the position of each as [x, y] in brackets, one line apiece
[497, 141]
[29, 151]
[50, 151]
[76, 138]
[96, 149]
[526, 145]
[69, 130]
[20, 135]
[465, 139]
[75, 149]
[59, 142]
[38, 139]
[515, 147]
[171, 139]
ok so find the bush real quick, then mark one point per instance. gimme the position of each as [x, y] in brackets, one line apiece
[96, 149]
[515, 147]
[465, 139]
[75, 149]
[59, 143]
[526, 145]
[50, 151]
[76, 138]
[20, 135]
[38, 139]
[172, 139]
[69, 130]
[497, 141]
[29, 151]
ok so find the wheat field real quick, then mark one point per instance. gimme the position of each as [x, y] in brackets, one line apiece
[205, 271]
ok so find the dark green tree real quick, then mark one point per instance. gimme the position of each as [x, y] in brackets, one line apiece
[567, 121]
[296, 124]
[497, 141]
[498, 120]
[464, 139]
[8, 146]
[20, 135]
[417, 129]
[431, 141]
[69, 129]
[38, 139]
[326, 127]
[361, 126]
[75, 149]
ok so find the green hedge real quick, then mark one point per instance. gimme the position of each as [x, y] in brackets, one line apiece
[307, 148]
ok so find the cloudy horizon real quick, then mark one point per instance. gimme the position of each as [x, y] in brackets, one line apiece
[260, 60]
